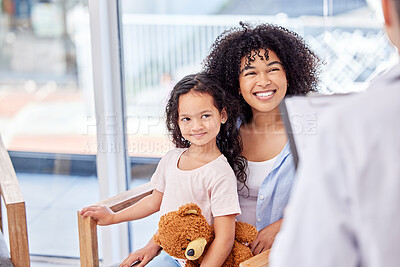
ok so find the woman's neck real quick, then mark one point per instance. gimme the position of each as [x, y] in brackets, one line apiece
[270, 122]
[263, 137]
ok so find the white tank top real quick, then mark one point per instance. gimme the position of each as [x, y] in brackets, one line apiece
[256, 173]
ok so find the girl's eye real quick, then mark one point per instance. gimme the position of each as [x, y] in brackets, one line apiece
[185, 119]
[183, 248]
[205, 116]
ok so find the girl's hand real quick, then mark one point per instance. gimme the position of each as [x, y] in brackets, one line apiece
[101, 213]
[218, 251]
[265, 238]
[144, 255]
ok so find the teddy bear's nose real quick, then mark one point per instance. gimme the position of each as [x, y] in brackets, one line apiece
[190, 252]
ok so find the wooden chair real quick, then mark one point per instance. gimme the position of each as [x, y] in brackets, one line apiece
[260, 260]
[88, 244]
[16, 212]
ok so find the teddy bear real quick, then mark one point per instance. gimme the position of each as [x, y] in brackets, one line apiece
[185, 234]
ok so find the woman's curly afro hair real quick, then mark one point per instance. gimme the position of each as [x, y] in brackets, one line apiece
[300, 63]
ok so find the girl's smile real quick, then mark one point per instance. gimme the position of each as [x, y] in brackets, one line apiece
[199, 135]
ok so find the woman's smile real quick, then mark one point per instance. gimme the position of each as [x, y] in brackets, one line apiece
[265, 95]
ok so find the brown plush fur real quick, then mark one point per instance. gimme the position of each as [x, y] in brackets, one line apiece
[177, 229]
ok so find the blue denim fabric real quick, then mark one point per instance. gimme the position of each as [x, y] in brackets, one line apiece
[274, 192]
[163, 260]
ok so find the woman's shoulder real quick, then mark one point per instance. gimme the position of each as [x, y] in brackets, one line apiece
[285, 166]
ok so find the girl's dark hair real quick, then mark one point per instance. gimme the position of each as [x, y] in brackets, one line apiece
[229, 142]
[300, 63]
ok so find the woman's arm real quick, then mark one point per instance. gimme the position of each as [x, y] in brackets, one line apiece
[265, 238]
[224, 229]
[145, 207]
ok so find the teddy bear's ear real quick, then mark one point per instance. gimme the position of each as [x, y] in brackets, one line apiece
[190, 208]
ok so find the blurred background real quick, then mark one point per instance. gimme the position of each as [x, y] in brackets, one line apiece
[47, 113]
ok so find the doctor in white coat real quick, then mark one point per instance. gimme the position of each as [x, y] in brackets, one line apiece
[345, 207]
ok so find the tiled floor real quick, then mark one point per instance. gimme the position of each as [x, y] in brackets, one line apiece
[52, 202]
[38, 261]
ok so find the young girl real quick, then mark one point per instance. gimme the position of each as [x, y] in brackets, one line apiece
[201, 169]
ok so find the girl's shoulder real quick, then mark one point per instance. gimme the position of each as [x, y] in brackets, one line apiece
[221, 166]
[171, 156]
[174, 152]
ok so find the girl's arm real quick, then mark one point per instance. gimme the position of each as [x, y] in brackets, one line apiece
[144, 255]
[145, 207]
[224, 228]
[265, 238]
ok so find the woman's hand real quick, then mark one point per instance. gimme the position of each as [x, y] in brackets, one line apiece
[101, 213]
[265, 238]
[144, 255]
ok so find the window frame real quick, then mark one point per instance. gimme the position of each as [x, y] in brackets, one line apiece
[112, 162]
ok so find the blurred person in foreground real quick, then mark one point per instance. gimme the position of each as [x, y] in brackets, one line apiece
[345, 209]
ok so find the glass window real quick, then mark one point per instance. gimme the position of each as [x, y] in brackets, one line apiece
[166, 40]
[47, 116]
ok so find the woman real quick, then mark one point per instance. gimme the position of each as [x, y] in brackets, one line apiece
[261, 66]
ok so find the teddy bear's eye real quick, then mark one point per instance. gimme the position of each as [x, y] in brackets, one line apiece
[183, 248]
[189, 240]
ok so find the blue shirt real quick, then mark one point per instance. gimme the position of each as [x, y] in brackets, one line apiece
[274, 192]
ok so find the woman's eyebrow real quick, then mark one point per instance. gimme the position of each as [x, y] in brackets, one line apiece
[246, 68]
[269, 64]
[274, 62]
